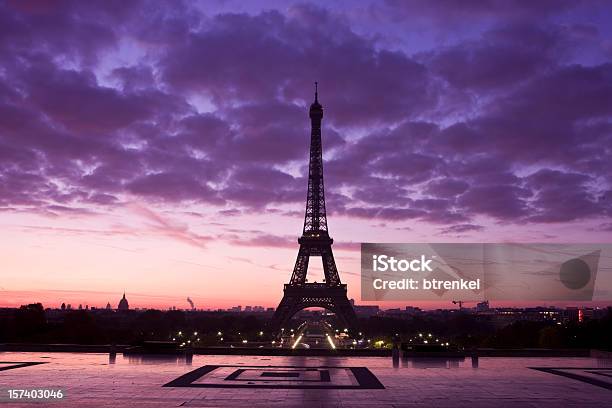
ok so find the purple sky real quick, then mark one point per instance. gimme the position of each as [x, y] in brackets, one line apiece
[153, 137]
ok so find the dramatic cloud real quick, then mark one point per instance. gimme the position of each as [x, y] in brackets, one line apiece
[460, 229]
[509, 118]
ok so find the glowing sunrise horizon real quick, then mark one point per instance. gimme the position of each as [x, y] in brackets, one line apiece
[164, 152]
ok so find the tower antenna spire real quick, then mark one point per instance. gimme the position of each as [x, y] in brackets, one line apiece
[316, 92]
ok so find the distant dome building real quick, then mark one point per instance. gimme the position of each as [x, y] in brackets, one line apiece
[123, 303]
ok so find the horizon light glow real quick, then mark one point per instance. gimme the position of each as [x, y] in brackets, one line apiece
[163, 151]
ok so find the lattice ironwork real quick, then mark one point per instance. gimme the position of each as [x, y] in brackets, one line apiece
[315, 241]
[315, 219]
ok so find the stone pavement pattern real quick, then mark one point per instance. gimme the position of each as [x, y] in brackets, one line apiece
[96, 380]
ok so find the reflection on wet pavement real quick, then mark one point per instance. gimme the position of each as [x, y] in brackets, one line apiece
[100, 380]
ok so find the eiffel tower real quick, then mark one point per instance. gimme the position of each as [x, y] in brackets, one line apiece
[315, 241]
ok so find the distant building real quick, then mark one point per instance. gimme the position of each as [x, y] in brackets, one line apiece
[366, 310]
[572, 314]
[482, 306]
[588, 313]
[123, 303]
[363, 310]
[394, 312]
[108, 306]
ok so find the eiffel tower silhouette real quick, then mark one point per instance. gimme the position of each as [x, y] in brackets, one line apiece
[315, 241]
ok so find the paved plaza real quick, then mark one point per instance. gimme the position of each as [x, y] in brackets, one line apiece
[100, 380]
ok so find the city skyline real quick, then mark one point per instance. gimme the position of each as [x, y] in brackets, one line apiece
[382, 307]
[146, 156]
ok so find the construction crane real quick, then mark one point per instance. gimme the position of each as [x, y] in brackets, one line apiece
[480, 306]
[458, 302]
